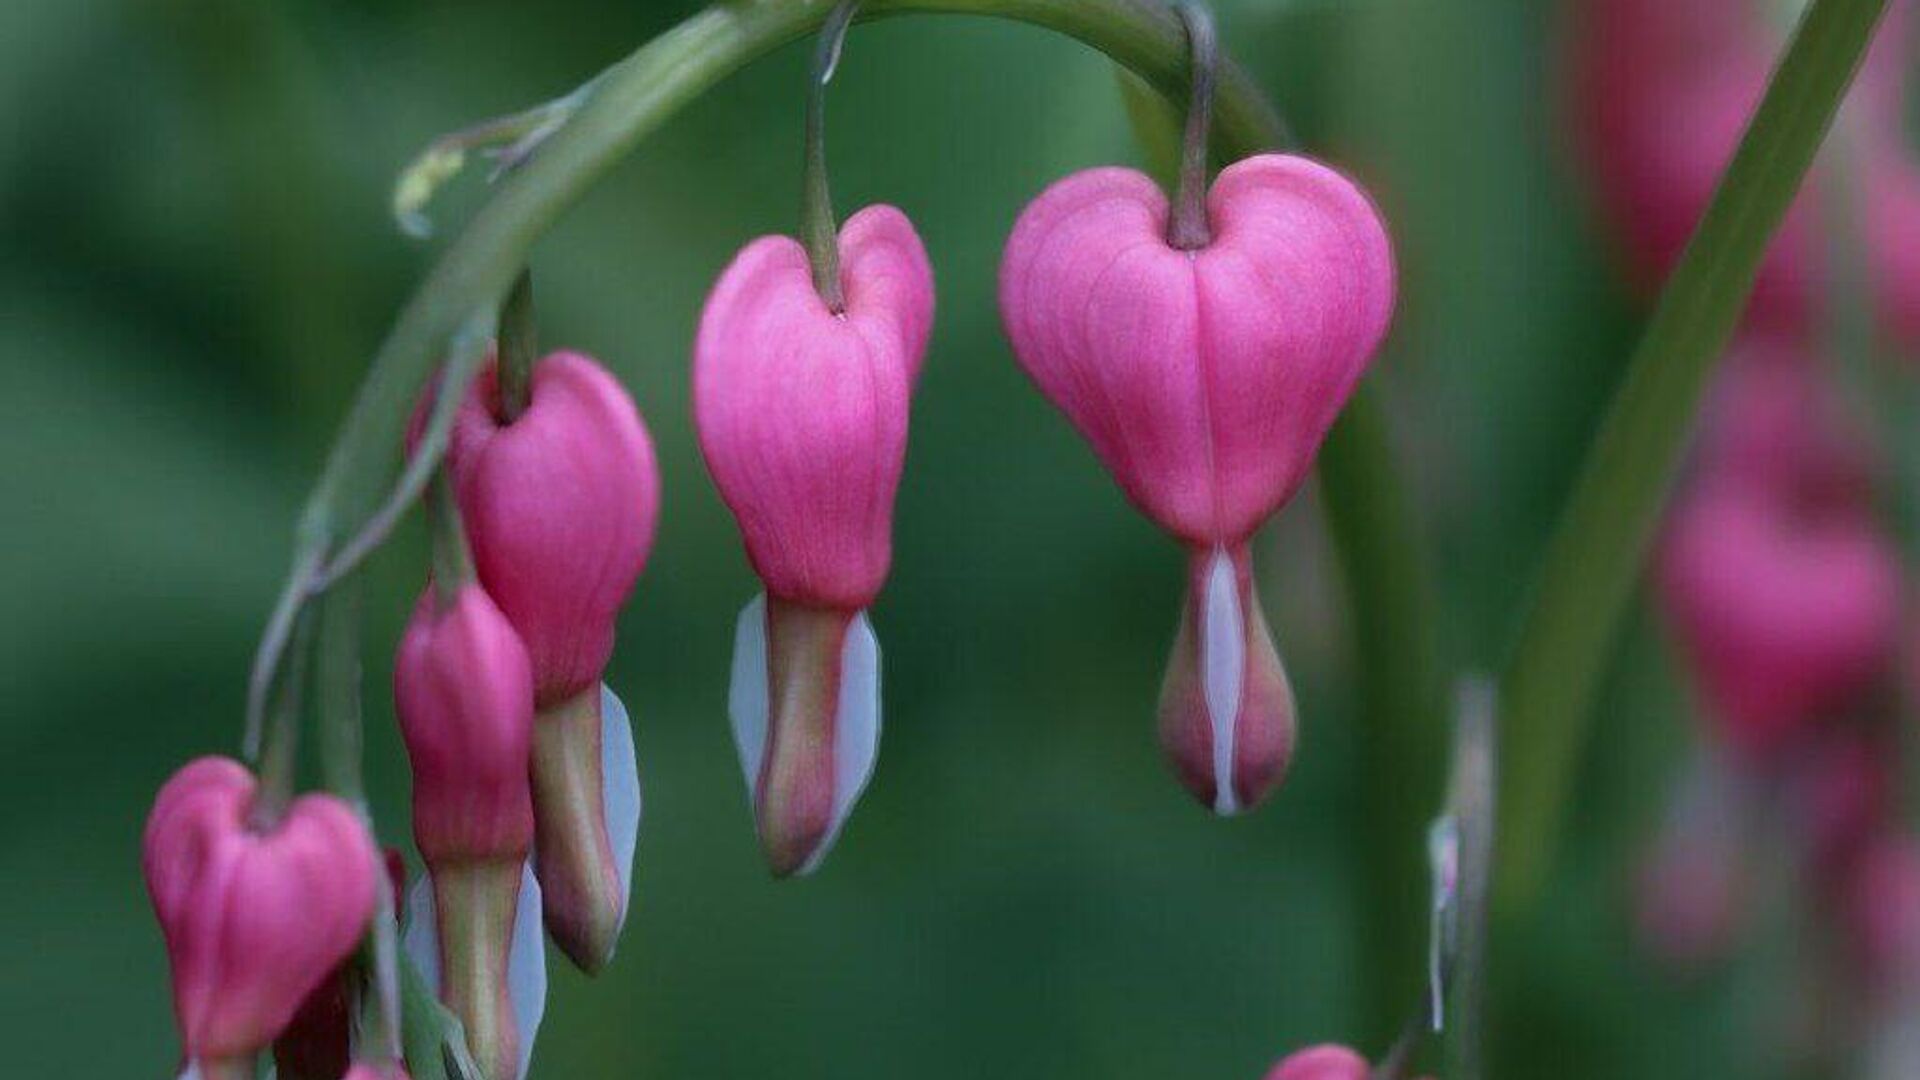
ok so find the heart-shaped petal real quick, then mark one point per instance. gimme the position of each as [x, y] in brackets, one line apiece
[802, 412]
[254, 919]
[1205, 380]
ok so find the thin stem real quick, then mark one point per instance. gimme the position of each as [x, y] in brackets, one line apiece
[280, 759]
[336, 689]
[519, 343]
[1595, 554]
[1188, 229]
[817, 227]
[452, 558]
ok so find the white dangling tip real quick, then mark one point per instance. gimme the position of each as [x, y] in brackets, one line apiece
[620, 795]
[1223, 664]
[747, 690]
[526, 955]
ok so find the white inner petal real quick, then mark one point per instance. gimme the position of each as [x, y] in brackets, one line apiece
[192, 1072]
[619, 790]
[856, 733]
[1223, 661]
[747, 691]
[526, 955]
[527, 966]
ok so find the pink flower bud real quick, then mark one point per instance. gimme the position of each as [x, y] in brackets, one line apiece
[1322, 1063]
[1205, 381]
[464, 695]
[1781, 587]
[560, 507]
[802, 413]
[254, 920]
[802, 417]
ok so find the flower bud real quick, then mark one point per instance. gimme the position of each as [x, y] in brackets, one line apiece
[254, 919]
[802, 418]
[1205, 381]
[560, 505]
[500, 993]
[1880, 906]
[464, 695]
[1322, 1063]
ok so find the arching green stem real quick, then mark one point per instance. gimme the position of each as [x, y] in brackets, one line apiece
[519, 342]
[1373, 525]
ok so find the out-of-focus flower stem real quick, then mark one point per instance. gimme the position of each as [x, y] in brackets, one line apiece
[1592, 562]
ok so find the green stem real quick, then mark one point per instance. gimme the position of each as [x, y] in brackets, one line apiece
[452, 558]
[1187, 227]
[519, 344]
[1402, 707]
[278, 762]
[817, 225]
[1595, 555]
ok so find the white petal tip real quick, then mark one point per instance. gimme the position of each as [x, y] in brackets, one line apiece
[1223, 665]
[620, 790]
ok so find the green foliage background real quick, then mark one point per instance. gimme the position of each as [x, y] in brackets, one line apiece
[196, 263]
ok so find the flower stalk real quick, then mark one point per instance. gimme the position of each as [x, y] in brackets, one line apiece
[1595, 555]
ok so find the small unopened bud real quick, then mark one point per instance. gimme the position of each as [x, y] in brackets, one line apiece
[464, 693]
[1322, 1063]
[254, 919]
[1226, 710]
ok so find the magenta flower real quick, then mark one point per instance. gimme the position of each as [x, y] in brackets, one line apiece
[1663, 90]
[1327, 1062]
[561, 503]
[463, 692]
[1783, 590]
[463, 689]
[1205, 381]
[802, 418]
[254, 919]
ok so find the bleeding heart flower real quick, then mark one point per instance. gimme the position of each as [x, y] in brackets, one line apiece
[255, 918]
[802, 417]
[1205, 381]
[1663, 91]
[1690, 892]
[463, 689]
[1783, 590]
[561, 503]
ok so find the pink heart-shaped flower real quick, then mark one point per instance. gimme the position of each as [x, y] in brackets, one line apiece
[802, 412]
[1205, 380]
[254, 921]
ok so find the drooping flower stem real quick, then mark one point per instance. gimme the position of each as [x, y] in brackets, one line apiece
[1595, 554]
[337, 699]
[281, 754]
[519, 346]
[1188, 228]
[452, 558]
[818, 230]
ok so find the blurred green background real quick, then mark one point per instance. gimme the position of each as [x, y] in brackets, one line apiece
[196, 263]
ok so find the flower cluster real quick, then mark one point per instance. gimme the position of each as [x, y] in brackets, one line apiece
[1204, 350]
[1777, 573]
